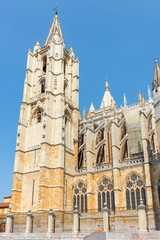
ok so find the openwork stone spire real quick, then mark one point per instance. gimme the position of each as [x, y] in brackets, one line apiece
[55, 32]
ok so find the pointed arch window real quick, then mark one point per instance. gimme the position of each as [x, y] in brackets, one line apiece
[100, 155]
[123, 131]
[124, 150]
[81, 162]
[109, 146]
[80, 197]
[135, 191]
[105, 194]
[100, 136]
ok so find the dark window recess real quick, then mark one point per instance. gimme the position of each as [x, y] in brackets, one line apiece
[43, 87]
[39, 116]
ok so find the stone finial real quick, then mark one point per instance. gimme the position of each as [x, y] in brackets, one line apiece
[139, 96]
[125, 100]
[149, 93]
[92, 109]
[156, 60]
[107, 86]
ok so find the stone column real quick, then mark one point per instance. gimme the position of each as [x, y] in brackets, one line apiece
[105, 218]
[9, 223]
[29, 224]
[51, 221]
[142, 217]
[76, 220]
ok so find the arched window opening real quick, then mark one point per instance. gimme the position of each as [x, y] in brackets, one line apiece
[81, 159]
[43, 87]
[80, 140]
[134, 192]
[100, 136]
[80, 197]
[65, 68]
[100, 155]
[39, 116]
[152, 144]
[150, 124]
[124, 151]
[123, 131]
[106, 195]
[44, 64]
[109, 146]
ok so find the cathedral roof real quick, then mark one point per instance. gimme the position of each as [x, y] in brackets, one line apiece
[107, 100]
[55, 31]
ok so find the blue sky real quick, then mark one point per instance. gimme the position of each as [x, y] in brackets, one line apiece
[117, 38]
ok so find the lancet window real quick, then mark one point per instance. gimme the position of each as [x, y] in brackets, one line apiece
[81, 161]
[124, 150]
[100, 155]
[150, 124]
[100, 136]
[81, 140]
[80, 197]
[135, 191]
[152, 144]
[109, 146]
[43, 86]
[44, 64]
[81, 153]
[105, 194]
[123, 131]
[159, 190]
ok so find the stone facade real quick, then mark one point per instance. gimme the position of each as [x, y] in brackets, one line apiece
[111, 155]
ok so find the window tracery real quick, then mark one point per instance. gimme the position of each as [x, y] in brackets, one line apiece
[105, 194]
[135, 191]
[80, 197]
[100, 155]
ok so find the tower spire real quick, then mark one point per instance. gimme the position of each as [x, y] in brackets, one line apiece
[55, 31]
[156, 77]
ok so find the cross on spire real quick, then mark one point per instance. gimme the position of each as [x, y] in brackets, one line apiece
[56, 9]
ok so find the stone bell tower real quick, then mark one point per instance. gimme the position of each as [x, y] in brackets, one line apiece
[48, 127]
[156, 92]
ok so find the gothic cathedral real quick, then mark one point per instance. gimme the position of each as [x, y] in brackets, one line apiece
[110, 156]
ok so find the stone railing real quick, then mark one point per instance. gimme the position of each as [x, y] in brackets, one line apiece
[131, 161]
[103, 166]
[80, 170]
[155, 158]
